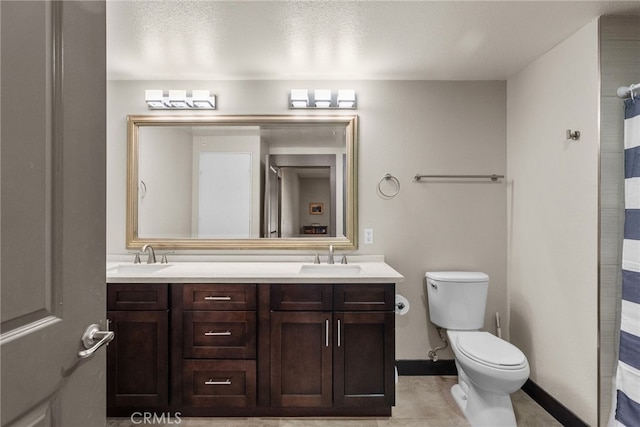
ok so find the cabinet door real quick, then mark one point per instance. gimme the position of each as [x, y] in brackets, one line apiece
[137, 359]
[301, 359]
[364, 360]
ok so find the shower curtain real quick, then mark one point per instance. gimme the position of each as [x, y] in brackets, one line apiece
[628, 370]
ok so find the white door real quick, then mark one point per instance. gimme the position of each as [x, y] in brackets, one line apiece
[224, 195]
[53, 88]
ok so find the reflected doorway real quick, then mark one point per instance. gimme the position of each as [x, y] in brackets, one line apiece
[301, 196]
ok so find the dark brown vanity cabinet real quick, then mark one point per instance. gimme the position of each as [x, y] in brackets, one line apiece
[242, 349]
[138, 357]
[332, 346]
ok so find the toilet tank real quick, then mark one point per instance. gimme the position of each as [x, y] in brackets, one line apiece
[457, 299]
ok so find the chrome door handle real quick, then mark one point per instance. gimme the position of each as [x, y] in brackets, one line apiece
[93, 338]
[326, 333]
[217, 298]
[217, 334]
[338, 332]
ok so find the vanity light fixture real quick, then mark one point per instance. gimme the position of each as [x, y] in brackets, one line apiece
[299, 98]
[154, 98]
[322, 99]
[346, 98]
[179, 100]
[202, 99]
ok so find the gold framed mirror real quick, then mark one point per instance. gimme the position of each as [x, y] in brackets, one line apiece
[242, 182]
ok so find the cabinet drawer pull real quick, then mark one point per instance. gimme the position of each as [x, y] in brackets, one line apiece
[212, 382]
[217, 334]
[210, 298]
[338, 332]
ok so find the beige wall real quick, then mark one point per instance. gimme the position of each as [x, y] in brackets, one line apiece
[553, 219]
[405, 127]
[166, 170]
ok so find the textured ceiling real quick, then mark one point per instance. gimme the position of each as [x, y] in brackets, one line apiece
[432, 40]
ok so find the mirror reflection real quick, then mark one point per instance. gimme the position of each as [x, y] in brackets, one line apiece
[241, 181]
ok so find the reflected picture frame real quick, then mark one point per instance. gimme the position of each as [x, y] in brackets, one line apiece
[316, 208]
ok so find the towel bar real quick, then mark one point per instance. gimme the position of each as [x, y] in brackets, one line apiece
[493, 177]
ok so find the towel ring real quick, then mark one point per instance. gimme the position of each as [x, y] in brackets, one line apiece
[394, 180]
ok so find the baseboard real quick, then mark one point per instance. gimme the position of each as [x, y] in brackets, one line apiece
[552, 406]
[426, 367]
[448, 367]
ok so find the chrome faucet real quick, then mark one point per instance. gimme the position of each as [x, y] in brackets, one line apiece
[152, 255]
[330, 259]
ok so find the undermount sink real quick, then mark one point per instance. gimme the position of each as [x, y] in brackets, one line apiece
[331, 269]
[138, 268]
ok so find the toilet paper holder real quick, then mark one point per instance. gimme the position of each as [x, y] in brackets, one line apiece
[401, 305]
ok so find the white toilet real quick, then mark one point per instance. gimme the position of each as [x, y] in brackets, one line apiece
[489, 368]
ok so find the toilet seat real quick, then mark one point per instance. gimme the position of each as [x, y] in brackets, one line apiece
[489, 350]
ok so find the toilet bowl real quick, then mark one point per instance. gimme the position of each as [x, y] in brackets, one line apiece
[489, 368]
[493, 363]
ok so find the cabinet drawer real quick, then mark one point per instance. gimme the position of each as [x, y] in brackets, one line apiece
[137, 296]
[221, 383]
[301, 297]
[220, 334]
[371, 297]
[218, 297]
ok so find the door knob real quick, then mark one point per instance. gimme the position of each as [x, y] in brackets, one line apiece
[93, 338]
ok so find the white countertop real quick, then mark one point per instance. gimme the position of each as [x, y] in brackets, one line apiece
[251, 272]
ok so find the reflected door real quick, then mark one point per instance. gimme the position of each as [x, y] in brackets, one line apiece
[224, 209]
[272, 203]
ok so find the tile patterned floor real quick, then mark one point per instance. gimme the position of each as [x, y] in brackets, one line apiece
[420, 402]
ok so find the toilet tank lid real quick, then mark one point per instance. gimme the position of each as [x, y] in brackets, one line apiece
[457, 276]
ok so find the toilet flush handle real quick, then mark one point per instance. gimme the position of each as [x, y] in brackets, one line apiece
[433, 285]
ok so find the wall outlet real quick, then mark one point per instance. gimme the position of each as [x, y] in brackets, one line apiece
[368, 236]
